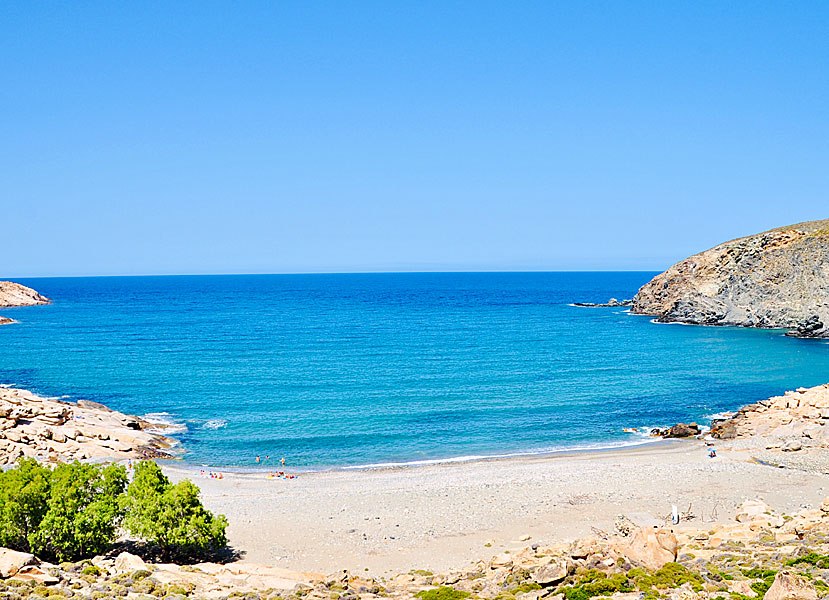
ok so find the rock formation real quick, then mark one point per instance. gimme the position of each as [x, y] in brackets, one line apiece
[58, 431]
[796, 421]
[776, 279]
[14, 294]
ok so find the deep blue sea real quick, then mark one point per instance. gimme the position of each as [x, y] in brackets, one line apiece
[365, 369]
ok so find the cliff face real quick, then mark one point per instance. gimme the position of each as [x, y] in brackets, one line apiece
[14, 294]
[776, 279]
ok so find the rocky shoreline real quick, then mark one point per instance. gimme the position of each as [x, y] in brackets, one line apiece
[56, 431]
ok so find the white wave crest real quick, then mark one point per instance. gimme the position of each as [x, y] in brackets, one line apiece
[215, 424]
[720, 415]
[167, 424]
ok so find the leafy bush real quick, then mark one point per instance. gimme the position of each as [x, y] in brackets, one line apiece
[74, 510]
[821, 561]
[598, 583]
[442, 593]
[24, 493]
[171, 516]
[64, 514]
[83, 512]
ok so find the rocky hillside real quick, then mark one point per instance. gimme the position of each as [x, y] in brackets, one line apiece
[776, 279]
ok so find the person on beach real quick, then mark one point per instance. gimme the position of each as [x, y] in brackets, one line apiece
[283, 461]
[257, 458]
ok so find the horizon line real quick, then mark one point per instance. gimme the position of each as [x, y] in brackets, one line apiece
[381, 272]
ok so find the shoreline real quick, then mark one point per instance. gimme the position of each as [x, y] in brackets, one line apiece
[460, 460]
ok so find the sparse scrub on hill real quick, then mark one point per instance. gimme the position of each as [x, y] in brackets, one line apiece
[74, 511]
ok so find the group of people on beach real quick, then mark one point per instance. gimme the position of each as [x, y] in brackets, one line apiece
[281, 475]
[211, 474]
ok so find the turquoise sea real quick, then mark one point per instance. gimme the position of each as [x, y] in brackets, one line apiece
[365, 369]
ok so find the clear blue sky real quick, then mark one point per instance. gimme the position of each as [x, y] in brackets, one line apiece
[242, 137]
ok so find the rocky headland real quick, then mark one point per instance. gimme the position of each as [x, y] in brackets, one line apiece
[775, 279]
[56, 431]
[13, 294]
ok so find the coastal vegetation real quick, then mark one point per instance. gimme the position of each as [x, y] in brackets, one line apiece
[75, 511]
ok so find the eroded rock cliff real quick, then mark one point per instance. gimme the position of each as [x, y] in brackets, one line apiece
[775, 279]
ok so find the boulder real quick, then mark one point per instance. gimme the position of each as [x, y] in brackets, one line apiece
[584, 547]
[553, 572]
[751, 509]
[501, 560]
[650, 548]
[682, 430]
[789, 586]
[791, 445]
[128, 563]
[35, 573]
[11, 561]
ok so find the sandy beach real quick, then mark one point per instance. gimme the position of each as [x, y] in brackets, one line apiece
[441, 516]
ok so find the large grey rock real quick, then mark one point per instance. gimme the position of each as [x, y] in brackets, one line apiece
[776, 279]
[791, 445]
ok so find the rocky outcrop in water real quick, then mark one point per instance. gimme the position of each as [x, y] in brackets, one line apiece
[776, 279]
[14, 294]
[612, 303]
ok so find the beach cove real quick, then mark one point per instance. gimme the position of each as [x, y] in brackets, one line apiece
[335, 371]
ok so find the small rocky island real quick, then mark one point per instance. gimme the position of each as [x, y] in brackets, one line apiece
[776, 279]
[14, 294]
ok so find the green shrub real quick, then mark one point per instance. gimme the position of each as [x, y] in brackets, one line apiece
[171, 516]
[73, 511]
[63, 514]
[672, 575]
[83, 512]
[443, 593]
[24, 493]
[820, 561]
